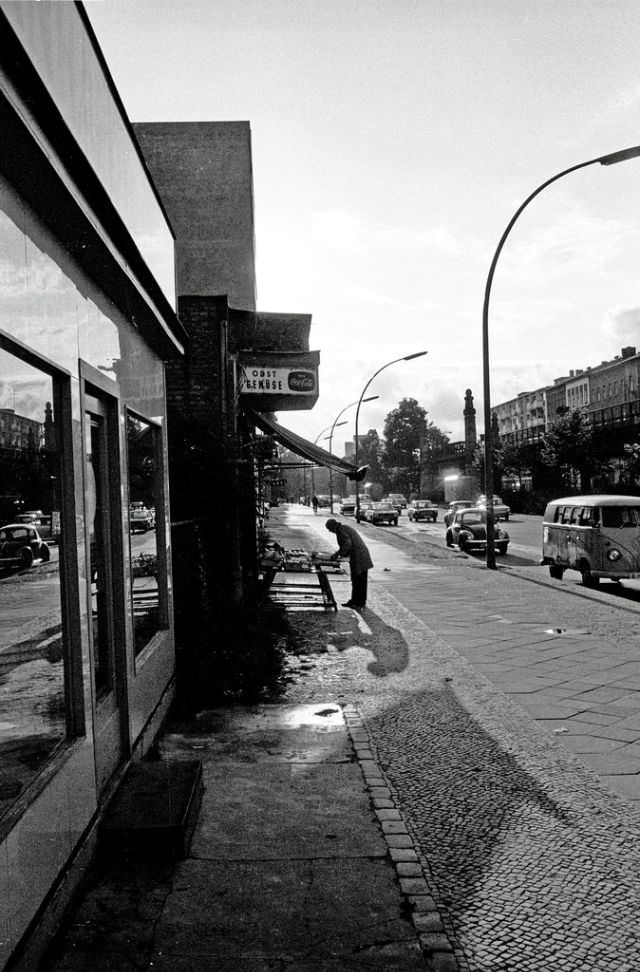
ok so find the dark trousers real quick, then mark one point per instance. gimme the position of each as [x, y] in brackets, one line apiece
[359, 588]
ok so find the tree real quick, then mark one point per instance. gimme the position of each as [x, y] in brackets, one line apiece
[369, 453]
[405, 428]
[568, 449]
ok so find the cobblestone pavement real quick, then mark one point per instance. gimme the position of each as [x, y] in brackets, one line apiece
[492, 729]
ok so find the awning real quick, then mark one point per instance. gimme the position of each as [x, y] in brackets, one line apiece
[302, 447]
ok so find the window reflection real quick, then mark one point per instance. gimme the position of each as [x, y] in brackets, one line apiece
[142, 440]
[32, 681]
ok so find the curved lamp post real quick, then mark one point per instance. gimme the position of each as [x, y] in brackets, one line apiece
[407, 357]
[313, 487]
[611, 159]
[330, 437]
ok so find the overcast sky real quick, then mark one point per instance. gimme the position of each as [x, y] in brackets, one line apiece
[392, 142]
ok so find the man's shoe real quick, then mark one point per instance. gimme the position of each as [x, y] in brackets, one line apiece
[348, 604]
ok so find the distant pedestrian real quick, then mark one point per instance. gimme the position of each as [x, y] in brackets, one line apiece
[351, 545]
[314, 503]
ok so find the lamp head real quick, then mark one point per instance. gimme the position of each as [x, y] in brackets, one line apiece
[622, 156]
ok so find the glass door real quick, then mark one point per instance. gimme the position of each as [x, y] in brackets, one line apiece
[101, 511]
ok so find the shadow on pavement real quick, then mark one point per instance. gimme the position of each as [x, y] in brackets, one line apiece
[467, 797]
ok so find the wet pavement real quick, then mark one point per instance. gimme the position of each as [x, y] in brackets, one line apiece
[467, 801]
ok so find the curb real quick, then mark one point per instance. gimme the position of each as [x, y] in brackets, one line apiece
[414, 879]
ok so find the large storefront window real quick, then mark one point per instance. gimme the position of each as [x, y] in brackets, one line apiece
[149, 614]
[33, 705]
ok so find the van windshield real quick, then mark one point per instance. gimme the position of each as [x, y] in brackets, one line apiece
[620, 516]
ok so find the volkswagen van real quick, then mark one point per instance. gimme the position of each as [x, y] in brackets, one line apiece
[598, 535]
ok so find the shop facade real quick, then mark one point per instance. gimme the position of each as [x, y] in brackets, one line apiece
[87, 321]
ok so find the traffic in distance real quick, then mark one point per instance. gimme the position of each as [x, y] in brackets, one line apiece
[581, 539]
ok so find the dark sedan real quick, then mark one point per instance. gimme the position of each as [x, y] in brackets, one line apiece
[468, 530]
[21, 545]
[422, 510]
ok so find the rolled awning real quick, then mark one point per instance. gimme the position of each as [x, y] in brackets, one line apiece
[302, 447]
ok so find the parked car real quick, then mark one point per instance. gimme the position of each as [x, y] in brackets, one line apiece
[21, 545]
[597, 535]
[454, 506]
[468, 530]
[500, 510]
[422, 509]
[41, 521]
[324, 500]
[399, 500]
[365, 505]
[141, 518]
[348, 506]
[382, 513]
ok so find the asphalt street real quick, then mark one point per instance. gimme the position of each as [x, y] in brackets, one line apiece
[504, 710]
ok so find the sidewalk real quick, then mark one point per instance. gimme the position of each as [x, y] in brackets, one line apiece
[399, 809]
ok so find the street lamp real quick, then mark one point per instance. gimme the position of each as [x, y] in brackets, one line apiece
[407, 357]
[330, 437]
[610, 159]
[313, 487]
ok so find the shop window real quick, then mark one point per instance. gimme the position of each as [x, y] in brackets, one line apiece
[148, 590]
[33, 685]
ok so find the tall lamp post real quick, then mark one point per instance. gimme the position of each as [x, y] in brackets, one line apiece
[610, 159]
[407, 357]
[313, 487]
[330, 437]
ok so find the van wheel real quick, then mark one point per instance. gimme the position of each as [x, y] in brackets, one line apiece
[588, 580]
[556, 572]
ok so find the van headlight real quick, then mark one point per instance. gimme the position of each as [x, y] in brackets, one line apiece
[614, 554]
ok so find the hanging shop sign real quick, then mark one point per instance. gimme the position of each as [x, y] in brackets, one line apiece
[278, 381]
[256, 380]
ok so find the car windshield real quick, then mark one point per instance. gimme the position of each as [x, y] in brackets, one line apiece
[472, 519]
[620, 516]
[15, 533]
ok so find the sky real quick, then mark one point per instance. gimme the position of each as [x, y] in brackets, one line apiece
[393, 140]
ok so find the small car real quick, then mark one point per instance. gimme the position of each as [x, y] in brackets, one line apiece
[348, 506]
[468, 530]
[399, 500]
[21, 545]
[454, 506]
[382, 513]
[365, 506]
[141, 518]
[422, 510]
[500, 510]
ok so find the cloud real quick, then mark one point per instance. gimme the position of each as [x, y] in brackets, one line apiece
[577, 242]
[622, 325]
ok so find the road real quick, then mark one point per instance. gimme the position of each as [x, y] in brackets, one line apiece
[525, 550]
[504, 711]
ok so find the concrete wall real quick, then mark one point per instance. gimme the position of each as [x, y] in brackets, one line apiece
[203, 172]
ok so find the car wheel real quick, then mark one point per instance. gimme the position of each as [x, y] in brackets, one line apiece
[588, 580]
[462, 543]
[501, 548]
[449, 539]
[45, 553]
[26, 557]
[556, 572]
[506, 518]
[395, 522]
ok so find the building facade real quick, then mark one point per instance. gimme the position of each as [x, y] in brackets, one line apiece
[87, 320]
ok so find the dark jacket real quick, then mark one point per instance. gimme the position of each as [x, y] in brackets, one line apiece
[351, 545]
